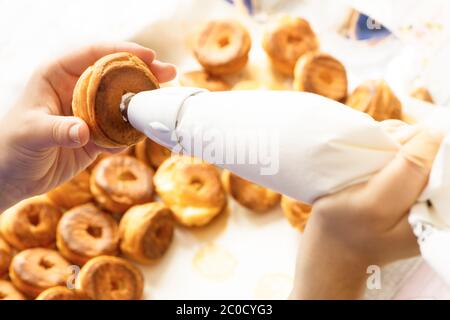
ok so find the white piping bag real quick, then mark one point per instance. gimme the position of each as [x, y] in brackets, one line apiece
[299, 144]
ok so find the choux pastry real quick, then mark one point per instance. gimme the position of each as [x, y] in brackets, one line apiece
[287, 41]
[322, 74]
[6, 255]
[98, 94]
[222, 47]
[376, 98]
[191, 188]
[85, 232]
[72, 193]
[35, 270]
[31, 223]
[202, 79]
[296, 212]
[110, 278]
[422, 94]
[146, 232]
[9, 292]
[59, 293]
[119, 182]
[248, 194]
[151, 153]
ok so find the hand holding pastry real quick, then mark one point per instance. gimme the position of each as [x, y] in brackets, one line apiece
[364, 225]
[42, 144]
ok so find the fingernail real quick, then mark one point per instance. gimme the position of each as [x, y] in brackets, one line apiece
[423, 147]
[74, 133]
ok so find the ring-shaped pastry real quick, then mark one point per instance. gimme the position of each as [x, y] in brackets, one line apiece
[222, 47]
[110, 278]
[31, 223]
[152, 153]
[9, 292]
[85, 232]
[120, 182]
[35, 270]
[73, 193]
[191, 188]
[59, 293]
[98, 94]
[146, 232]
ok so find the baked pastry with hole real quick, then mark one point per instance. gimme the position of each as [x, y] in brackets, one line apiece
[120, 182]
[151, 153]
[377, 99]
[6, 254]
[296, 212]
[31, 223]
[191, 188]
[98, 94]
[85, 232]
[59, 293]
[146, 232]
[9, 292]
[320, 73]
[286, 41]
[72, 193]
[222, 47]
[35, 270]
[110, 278]
[248, 194]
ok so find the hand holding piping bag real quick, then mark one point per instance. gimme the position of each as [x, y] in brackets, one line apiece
[42, 144]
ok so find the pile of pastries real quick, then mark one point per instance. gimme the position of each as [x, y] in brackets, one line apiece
[82, 239]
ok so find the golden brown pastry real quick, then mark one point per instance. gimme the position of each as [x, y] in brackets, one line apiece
[9, 292]
[203, 79]
[191, 188]
[59, 293]
[248, 194]
[110, 278]
[72, 193]
[146, 232]
[422, 94]
[151, 153]
[35, 270]
[31, 223]
[6, 254]
[119, 182]
[98, 93]
[287, 41]
[296, 212]
[376, 98]
[222, 47]
[85, 232]
[320, 73]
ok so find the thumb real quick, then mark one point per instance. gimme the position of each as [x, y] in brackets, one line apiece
[401, 182]
[61, 131]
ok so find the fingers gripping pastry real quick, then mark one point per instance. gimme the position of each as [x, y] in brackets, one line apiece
[110, 278]
[146, 231]
[152, 153]
[422, 94]
[35, 270]
[9, 292]
[98, 94]
[296, 212]
[287, 41]
[322, 74]
[6, 254]
[59, 293]
[86, 232]
[119, 182]
[376, 99]
[222, 47]
[191, 188]
[72, 193]
[31, 223]
[248, 194]
[204, 80]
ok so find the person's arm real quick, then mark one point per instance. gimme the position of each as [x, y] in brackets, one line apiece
[364, 225]
[42, 145]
